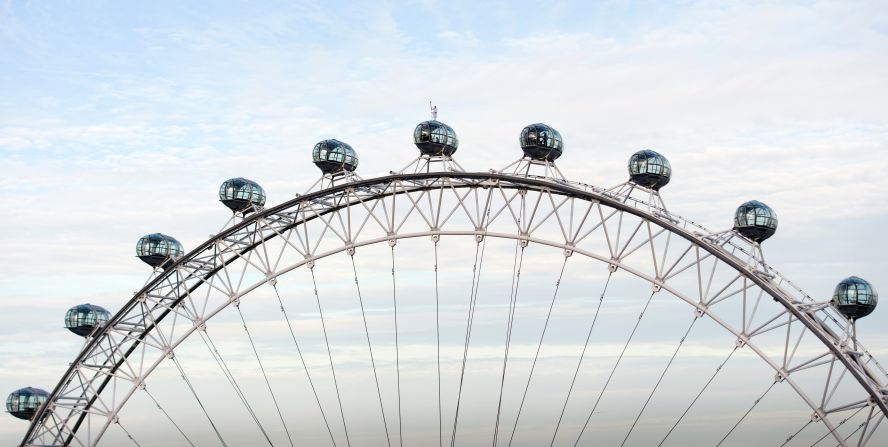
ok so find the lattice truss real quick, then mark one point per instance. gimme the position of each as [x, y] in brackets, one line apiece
[720, 276]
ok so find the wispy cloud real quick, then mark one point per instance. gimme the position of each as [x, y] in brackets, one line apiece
[121, 121]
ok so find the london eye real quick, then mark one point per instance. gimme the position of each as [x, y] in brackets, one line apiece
[438, 306]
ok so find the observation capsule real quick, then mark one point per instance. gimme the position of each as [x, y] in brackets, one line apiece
[541, 142]
[755, 220]
[649, 169]
[25, 402]
[83, 319]
[238, 194]
[158, 250]
[333, 156]
[855, 297]
[435, 138]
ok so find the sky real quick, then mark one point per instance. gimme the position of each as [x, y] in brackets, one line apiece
[121, 119]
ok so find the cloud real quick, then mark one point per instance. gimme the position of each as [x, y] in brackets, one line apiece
[780, 102]
[467, 39]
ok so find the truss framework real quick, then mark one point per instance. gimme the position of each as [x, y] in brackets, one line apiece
[807, 344]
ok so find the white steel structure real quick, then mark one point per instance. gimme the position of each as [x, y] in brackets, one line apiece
[720, 276]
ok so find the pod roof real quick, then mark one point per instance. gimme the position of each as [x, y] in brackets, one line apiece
[334, 156]
[755, 220]
[541, 142]
[649, 169]
[855, 297]
[240, 194]
[435, 138]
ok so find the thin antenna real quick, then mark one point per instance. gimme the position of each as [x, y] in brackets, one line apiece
[434, 111]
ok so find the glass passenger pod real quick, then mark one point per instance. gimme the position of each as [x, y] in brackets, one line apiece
[435, 138]
[855, 298]
[158, 250]
[25, 402]
[649, 169]
[334, 156]
[541, 142]
[755, 220]
[83, 319]
[240, 194]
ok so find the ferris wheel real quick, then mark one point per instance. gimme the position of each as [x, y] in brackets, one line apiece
[437, 306]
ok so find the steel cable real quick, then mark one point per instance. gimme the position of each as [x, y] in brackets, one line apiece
[128, 435]
[792, 436]
[314, 284]
[168, 416]
[397, 350]
[513, 301]
[573, 381]
[217, 356]
[659, 380]
[473, 295]
[264, 375]
[614, 369]
[680, 418]
[438, 339]
[539, 347]
[199, 402]
[304, 365]
[841, 423]
[859, 426]
[754, 404]
[370, 348]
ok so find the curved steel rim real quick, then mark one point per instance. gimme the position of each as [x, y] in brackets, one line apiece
[564, 189]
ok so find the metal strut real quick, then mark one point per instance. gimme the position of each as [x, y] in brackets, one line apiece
[370, 348]
[865, 424]
[842, 422]
[573, 381]
[304, 366]
[198, 271]
[859, 426]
